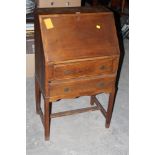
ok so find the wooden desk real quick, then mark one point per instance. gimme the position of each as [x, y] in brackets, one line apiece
[77, 54]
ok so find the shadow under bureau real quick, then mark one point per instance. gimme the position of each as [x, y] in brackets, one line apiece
[76, 54]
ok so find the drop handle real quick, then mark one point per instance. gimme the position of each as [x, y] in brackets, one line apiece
[102, 67]
[67, 72]
[100, 85]
[66, 90]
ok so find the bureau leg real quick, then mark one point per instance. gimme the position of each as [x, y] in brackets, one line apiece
[47, 119]
[110, 108]
[37, 96]
[50, 110]
[91, 100]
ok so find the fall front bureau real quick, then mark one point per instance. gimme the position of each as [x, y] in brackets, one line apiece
[76, 54]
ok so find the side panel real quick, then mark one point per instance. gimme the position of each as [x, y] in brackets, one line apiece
[39, 56]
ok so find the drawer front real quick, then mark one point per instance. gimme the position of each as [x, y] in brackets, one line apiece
[84, 68]
[81, 87]
[58, 3]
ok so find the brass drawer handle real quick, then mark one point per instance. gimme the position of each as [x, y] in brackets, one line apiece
[66, 72]
[100, 85]
[66, 90]
[102, 67]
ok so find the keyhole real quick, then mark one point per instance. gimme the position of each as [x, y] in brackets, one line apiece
[67, 3]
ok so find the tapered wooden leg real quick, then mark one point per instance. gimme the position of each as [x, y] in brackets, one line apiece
[37, 96]
[47, 113]
[110, 108]
[91, 100]
[50, 110]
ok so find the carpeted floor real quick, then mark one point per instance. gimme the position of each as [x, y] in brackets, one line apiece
[81, 134]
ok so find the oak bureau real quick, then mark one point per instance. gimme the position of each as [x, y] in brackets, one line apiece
[76, 54]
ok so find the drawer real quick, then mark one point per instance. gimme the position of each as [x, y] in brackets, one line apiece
[81, 87]
[58, 3]
[84, 68]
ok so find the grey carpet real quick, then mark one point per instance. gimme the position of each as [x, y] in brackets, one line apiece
[81, 134]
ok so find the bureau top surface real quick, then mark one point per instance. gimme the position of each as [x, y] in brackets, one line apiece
[78, 35]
